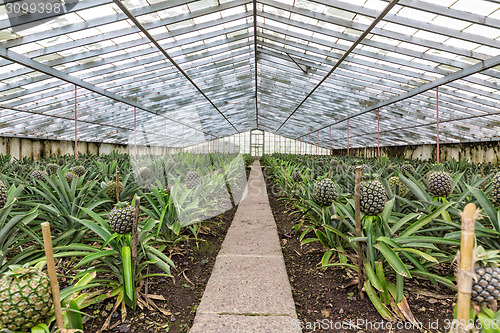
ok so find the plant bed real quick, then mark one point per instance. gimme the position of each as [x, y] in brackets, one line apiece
[329, 298]
[177, 298]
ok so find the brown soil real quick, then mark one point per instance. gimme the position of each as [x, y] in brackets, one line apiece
[326, 302]
[194, 263]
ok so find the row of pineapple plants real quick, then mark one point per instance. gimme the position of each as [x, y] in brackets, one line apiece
[410, 221]
[89, 203]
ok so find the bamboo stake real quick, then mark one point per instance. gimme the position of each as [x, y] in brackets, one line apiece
[51, 269]
[466, 269]
[357, 216]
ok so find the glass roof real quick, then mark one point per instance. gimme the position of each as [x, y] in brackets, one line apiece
[214, 68]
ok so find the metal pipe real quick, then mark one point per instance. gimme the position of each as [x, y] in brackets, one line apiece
[76, 127]
[330, 140]
[437, 122]
[378, 132]
[348, 137]
[135, 132]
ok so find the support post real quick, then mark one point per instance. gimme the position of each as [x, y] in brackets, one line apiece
[165, 137]
[76, 127]
[330, 140]
[348, 137]
[357, 217]
[378, 132]
[437, 123]
[135, 132]
[317, 145]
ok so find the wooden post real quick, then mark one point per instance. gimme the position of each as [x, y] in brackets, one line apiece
[135, 232]
[357, 217]
[51, 269]
[466, 269]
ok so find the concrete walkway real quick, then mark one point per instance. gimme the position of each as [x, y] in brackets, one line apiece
[248, 290]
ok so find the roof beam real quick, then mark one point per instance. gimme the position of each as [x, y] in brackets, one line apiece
[344, 56]
[489, 63]
[162, 50]
[255, 61]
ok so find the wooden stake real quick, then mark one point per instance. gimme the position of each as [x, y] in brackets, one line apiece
[134, 233]
[357, 216]
[51, 269]
[466, 270]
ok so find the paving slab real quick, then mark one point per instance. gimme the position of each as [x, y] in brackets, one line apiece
[212, 322]
[242, 240]
[249, 290]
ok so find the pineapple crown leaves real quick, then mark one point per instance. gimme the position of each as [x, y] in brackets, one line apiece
[370, 176]
[19, 271]
[122, 204]
[487, 256]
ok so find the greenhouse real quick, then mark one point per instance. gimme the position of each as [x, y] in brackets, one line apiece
[273, 166]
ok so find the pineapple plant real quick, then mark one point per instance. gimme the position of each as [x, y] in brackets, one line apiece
[486, 283]
[25, 298]
[52, 168]
[3, 194]
[70, 176]
[334, 163]
[79, 170]
[393, 182]
[40, 175]
[121, 218]
[439, 183]
[112, 189]
[297, 176]
[407, 168]
[192, 179]
[324, 192]
[495, 188]
[61, 161]
[372, 197]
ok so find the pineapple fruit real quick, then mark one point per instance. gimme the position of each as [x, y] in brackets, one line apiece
[40, 175]
[486, 283]
[439, 183]
[145, 174]
[372, 197]
[112, 189]
[395, 181]
[52, 168]
[79, 170]
[407, 168]
[3, 194]
[70, 176]
[495, 188]
[192, 179]
[324, 192]
[296, 176]
[121, 218]
[25, 298]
